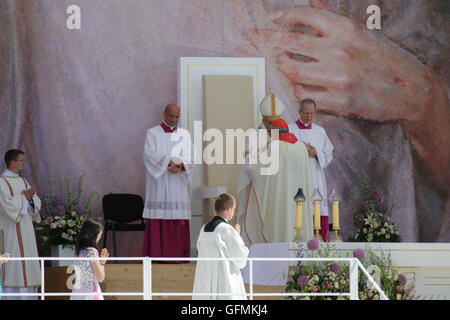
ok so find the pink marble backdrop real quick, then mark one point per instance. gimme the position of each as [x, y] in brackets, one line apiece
[80, 101]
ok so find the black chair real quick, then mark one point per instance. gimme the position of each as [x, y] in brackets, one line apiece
[119, 210]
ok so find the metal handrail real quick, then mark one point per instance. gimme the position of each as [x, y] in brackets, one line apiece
[147, 294]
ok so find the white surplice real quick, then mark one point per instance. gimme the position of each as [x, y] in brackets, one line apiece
[267, 210]
[220, 276]
[16, 221]
[317, 137]
[167, 194]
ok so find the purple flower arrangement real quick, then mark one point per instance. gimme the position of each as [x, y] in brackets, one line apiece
[375, 195]
[358, 253]
[372, 217]
[321, 277]
[382, 207]
[58, 200]
[313, 244]
[302, 281]
[363, 207]
[59, 209]
[312, 277]
[334, 268]
[394, 285]
[402, 280]
[63, 216]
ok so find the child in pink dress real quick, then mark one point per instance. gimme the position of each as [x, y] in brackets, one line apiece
[89, 273]
[5, 255]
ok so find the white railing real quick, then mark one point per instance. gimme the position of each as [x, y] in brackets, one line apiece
[147, 294]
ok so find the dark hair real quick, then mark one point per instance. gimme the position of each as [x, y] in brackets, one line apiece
[223, 202]
[307, 101]
[88, 234]
[12, 155]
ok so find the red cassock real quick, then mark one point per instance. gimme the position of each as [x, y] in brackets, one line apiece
[166, 237]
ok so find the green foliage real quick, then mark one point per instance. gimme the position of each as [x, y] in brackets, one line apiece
[372, 217]
[395, 285]
[63, 214]
[329, 277]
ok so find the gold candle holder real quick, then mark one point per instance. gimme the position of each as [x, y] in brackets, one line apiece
[317, 235]
[336, 236]
[317, 198]
[334, 199]
[299, 198]
[298, 237]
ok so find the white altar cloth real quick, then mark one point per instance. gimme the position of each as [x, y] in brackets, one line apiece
[269, 273]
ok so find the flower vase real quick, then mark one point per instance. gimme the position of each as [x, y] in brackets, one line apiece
[66, 251]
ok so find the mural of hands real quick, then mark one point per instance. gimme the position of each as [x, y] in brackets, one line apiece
[355, 72]
[373, 81]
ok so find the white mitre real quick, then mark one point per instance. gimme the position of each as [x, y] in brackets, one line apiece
[271, 107]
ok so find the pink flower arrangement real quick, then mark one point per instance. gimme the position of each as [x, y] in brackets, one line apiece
[358, 253]
[302, 281]
[372, 218]
[313, 244]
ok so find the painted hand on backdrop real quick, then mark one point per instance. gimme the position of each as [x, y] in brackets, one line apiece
[354, 72]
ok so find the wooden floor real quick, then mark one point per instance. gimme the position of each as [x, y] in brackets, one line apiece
[175, 278]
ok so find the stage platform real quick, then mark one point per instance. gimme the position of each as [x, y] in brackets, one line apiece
[128, 278]
[428, 263]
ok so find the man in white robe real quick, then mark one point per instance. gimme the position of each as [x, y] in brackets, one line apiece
[320, 152]
[168, 162]
[218, 239]
[19, 207]
[267, 210]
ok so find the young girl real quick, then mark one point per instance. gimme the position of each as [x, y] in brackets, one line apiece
[89, 273]
[2, 256]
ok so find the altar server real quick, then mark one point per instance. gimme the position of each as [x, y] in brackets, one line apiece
[320, 152]
[169, 165]
[218, 239]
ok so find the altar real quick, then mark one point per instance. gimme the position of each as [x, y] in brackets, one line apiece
[426, 263]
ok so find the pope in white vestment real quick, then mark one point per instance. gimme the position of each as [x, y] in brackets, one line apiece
[16, 220]
[307, 131]
[167, 204]
[267, 210]
[218, 239]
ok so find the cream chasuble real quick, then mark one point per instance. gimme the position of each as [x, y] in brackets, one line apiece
[267, 209]
[317, 137]
[16, 221]
[167, 194]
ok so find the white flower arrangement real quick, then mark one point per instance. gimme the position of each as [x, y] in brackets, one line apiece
[64, 216]
[372, 218]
